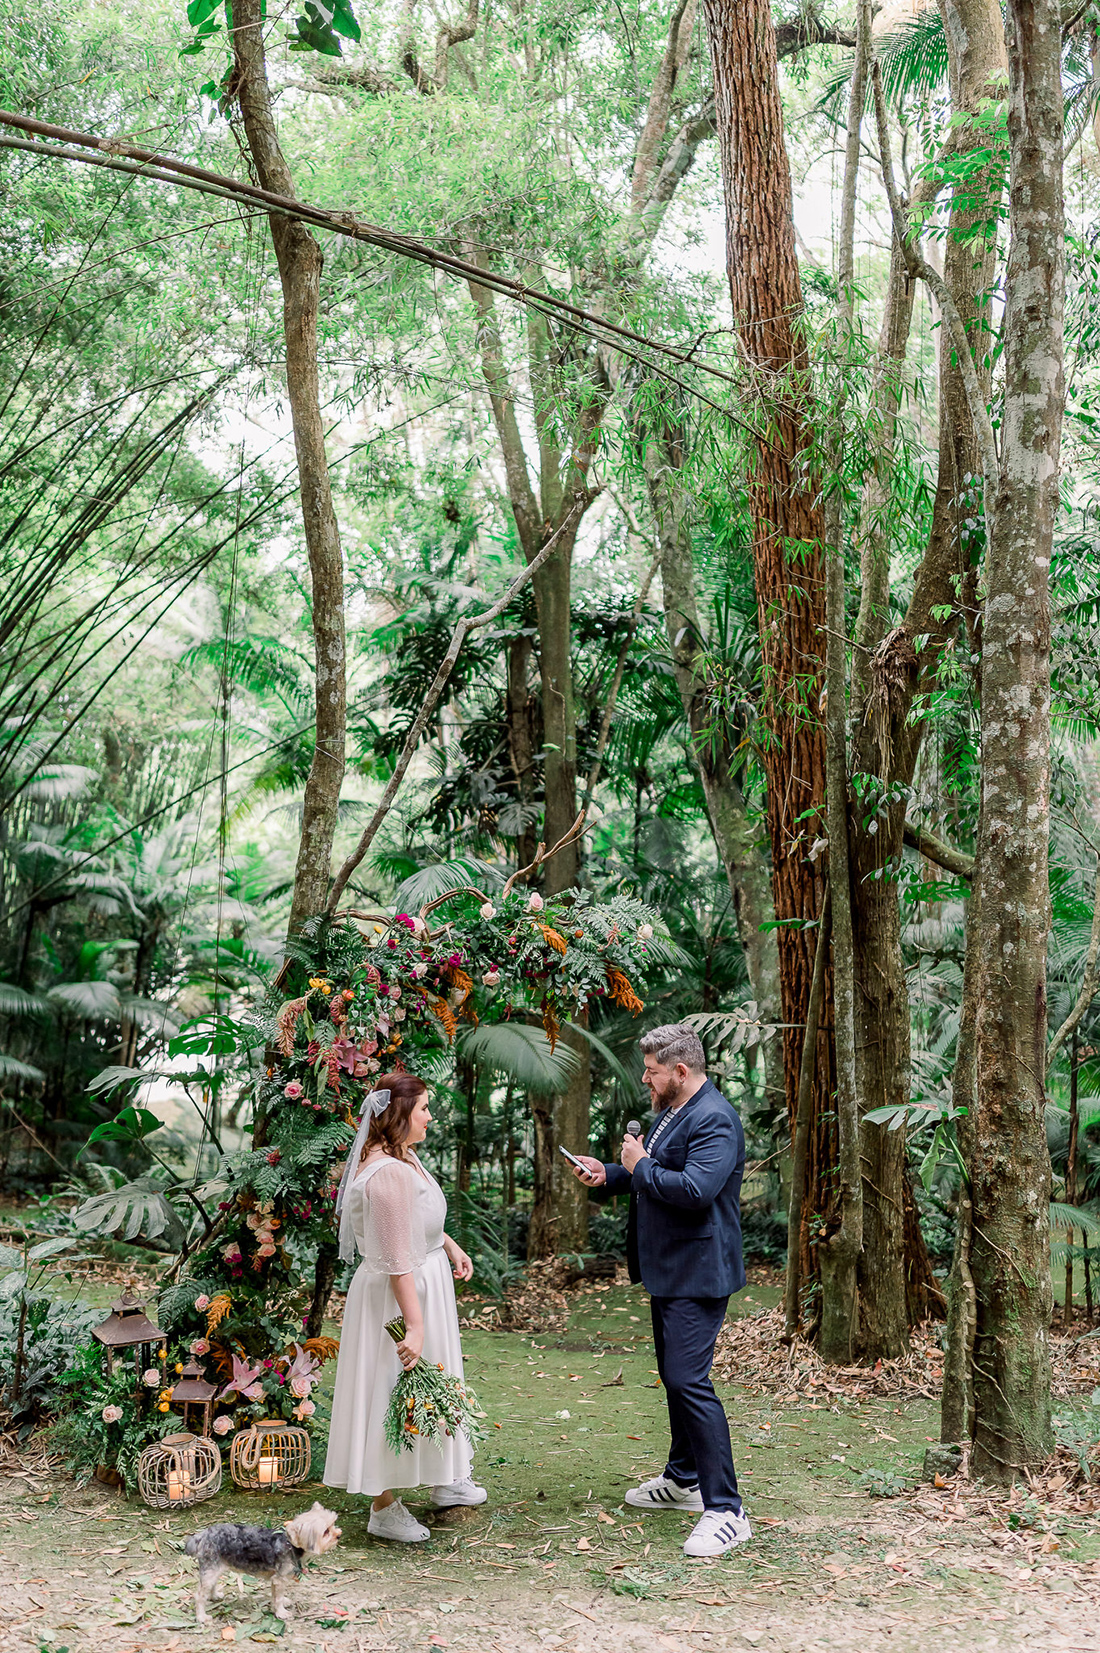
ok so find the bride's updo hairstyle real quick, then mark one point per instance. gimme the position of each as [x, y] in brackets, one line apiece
[389, 1129]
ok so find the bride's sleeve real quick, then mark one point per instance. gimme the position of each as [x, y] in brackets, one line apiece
[394, 1238]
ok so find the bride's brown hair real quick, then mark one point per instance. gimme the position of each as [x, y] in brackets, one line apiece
[389, 1129]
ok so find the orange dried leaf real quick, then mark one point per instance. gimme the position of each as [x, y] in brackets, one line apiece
[217, 1311]
[622, 993]
[325, 1348]
[442, 1010]
[553, 939]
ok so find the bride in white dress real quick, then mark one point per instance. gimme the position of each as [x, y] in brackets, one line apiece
[391, 1210]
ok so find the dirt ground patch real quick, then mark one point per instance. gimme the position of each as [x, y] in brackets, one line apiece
[555, 1560]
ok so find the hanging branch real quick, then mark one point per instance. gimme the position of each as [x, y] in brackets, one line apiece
[1089, 982]
[431, 700]
[119, 155]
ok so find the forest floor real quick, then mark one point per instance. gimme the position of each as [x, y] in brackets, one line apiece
[556, 1561]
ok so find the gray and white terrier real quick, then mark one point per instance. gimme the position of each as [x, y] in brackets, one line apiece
[263, 1552]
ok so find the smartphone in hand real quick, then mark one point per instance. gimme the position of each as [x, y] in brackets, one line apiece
[573, 1160]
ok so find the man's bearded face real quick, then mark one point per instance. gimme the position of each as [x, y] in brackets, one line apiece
[664, 1083]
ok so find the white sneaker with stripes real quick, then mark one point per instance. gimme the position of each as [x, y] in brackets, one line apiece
[717, 1532]
[663, 1494]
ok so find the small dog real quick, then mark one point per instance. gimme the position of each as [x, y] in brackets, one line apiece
[263, 1552]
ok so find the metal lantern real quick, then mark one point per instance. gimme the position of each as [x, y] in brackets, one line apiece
[193, 1398]
[269, 1454]
[129, 1327]
[179, 1471]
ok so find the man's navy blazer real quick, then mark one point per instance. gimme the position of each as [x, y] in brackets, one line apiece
[686, 1201]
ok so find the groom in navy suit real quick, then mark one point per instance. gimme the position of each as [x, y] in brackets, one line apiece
[684, 1244]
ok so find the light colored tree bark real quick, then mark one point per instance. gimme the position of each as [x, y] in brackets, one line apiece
[888, 676]
[300, 263]
[1010, 1166]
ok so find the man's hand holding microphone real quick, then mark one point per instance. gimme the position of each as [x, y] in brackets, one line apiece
[591, 1172]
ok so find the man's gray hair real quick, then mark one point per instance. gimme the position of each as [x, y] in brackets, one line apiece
[675, 1042]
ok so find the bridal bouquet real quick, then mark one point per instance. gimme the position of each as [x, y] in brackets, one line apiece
[428, 1403]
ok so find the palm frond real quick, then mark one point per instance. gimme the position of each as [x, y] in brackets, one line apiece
[914, 64]
[523, 1054]
[423, 886]
[95, 1001]
[1069, 1217]
[12, 1068]
[16, 1001]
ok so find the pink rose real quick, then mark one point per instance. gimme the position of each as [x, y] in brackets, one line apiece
[202, 1303]
[232, 1252]
[395, 992]
[535, 902]
[292, 1091]
[267, 1251]
[255, 1391]
[200, 1346]
[111, 1414]
[254, 1220]
[304, 1409]
[301, 1386]
[151, 1378]
[223, 1425]
[419, 970]
[491, 978]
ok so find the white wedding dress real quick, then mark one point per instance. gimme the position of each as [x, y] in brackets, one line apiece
[397, 1212]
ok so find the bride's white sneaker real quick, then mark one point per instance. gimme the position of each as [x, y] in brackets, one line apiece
[397, 1523]
[716, 1532]
[662, 1494]
[458, 1493]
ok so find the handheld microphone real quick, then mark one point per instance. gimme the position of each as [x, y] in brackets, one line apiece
[633, 1127]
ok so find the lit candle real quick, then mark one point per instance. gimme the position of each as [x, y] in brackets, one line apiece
[179, 1483]
[268, 1471]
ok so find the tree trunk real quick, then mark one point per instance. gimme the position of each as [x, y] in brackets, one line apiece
[895, 1273]
[839, 1255]
[522, 740]
[300, 262]
[788, 529]
[957, 1397]
[1010, 1172]
[559, 1215]
[734, 835]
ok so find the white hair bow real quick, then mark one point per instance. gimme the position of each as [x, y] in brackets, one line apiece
[373, 1105]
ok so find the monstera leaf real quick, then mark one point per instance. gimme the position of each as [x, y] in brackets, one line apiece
[138, 1210]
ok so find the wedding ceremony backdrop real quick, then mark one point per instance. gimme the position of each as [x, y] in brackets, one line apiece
[517, 527]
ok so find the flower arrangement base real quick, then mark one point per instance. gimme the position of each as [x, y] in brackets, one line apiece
[179, 1471]
[269, 1455]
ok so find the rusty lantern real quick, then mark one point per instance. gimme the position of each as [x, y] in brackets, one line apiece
[129, 1327]
[193, 1398]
